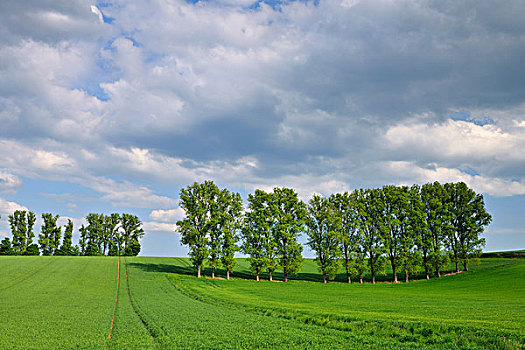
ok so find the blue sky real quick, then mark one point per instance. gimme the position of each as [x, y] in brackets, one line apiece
[116, 112]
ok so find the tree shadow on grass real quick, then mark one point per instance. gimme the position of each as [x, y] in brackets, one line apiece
[277, 275]
[164, 268]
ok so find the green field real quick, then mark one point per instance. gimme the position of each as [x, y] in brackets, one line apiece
[68, 302]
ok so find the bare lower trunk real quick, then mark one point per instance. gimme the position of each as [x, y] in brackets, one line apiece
[457, 266]
[438, 272]
[324, 277]
[213, 272]
[373, 279]
[349, 279]
[428, 277]
[285, 273]
[348, 274]
[228, 273]
[394, 272]
[360, 279]
[271, 275]
[199, 271]
[257, 277]
[465, 266]
[406, 276]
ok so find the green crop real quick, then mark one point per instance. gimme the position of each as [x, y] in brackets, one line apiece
[67, 302]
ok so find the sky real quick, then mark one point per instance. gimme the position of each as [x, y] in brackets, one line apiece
[115, 106]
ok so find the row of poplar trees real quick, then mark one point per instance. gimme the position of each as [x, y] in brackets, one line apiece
[416, 228]
[113, 234]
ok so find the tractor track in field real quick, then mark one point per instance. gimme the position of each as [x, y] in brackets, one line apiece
[21, 277]
[153, 330]
[116, 300]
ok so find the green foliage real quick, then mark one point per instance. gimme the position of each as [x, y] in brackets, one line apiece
[468, 218]
[197, 223]
[256, 233]
[32, 249]
[67, 245]
[49, 237]
[22, 223]
[288, 214]
[323, 229]
[5, 247]
[346, 211]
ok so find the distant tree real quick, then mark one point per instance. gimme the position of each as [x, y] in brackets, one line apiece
[82, 243]
[398, 238]
[67, 245]
[110, 232]
[95, 234]
[468, 218]
[132, 231]
[323, 229]
[434, 198]
[133, 248]
[372, 228]
[230, 210]
[21, 223]
[346, 209]
[214, 212]
[257, 236]
[5, 247]
[32, 249]
[288, 213]
[49, 235]
[195, 226]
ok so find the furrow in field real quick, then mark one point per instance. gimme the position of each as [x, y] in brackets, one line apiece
[25, 275]
[116, 300]
[153, 330]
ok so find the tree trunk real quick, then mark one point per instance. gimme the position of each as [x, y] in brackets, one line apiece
[271, 275]
[465, 265]
[213, 272]
[227, 273]
[438, 273]
[285, 273]
[406, 276]
[324, 277]
[199, 271]
[360, 279]
[372, 272]
[457, 266]
[257, 277]
[349, 279]
[394, 272]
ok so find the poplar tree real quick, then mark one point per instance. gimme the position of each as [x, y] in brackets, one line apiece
[346, 209]
[48, 234]
[434, 198]
[195, 226]
[468, 218]
[67, 244]
[371, 226]
[22, 223]
[323, 229]
[132, 231]
[110, 234]
[257, 236]
[230, 223]
[288, 213]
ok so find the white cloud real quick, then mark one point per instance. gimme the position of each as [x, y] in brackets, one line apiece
[9, 182]
[158, 226]
[8, 208]
[168, 216]
[493, 186]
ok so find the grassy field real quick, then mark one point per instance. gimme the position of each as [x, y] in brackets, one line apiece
[68, 302]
